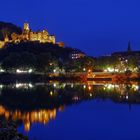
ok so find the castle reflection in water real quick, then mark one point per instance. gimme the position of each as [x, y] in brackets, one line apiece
[40, 116]
[30, 103]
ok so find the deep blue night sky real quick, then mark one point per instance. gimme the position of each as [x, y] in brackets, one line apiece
[97, 27]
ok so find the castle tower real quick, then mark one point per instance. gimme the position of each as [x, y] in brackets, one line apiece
[26, 28]
[26, 31]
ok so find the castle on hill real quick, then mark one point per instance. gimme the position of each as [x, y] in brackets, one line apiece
[29, 35]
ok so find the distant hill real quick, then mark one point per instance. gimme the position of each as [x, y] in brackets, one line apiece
[36, 48]
[8, 28]
[44, 57]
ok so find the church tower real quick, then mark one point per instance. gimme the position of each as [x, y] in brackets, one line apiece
[129, 47]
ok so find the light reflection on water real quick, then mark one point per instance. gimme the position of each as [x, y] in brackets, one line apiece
[30, 103]
[28, 118]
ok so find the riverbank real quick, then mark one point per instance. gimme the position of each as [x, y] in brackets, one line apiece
[116, 77]
[6, 78]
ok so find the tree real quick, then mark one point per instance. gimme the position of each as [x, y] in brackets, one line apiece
[46, 62]
[11, 62]
[77, 65]
[132, 62]
[14, 61]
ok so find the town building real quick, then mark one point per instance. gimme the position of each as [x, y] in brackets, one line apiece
[127, 54]
[76, 54]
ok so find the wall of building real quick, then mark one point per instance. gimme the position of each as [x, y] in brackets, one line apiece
[28, 35]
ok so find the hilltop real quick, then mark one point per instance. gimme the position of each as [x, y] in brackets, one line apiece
[38, 51]
[42, 57]
[36, 48]
[8, 28]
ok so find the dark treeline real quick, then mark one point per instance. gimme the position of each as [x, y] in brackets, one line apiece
[44, 57]
[33, 55]
[41, 57]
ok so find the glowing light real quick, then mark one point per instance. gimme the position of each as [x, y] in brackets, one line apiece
[18, 71]
[27, 126]
[89, 87]
[89, 70]
[1, 70]
[30, 70]
[72, 85]
[30, 85]
[105, 70]
[110, 69]
[84, 69]
[90, 95]
[84, 86]
[109, 86]
[116, 70]
[51, 93]
[24, 71]
[64, 85]
[75, 98]
[54, 70]
[1, 86]
[18, 85]
[126, 96]
[135, 87]
[24, 85]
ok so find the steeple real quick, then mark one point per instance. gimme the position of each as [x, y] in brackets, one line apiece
[129, 47]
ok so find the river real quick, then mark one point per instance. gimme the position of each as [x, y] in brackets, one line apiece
[73, 111]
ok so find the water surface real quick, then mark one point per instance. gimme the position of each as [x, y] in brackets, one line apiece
[73, 111]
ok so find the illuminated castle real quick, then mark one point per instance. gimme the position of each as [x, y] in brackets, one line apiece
[29, 35]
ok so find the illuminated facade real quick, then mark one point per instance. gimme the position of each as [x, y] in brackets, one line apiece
[2, 43]
[29, 35]
[77, 54]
